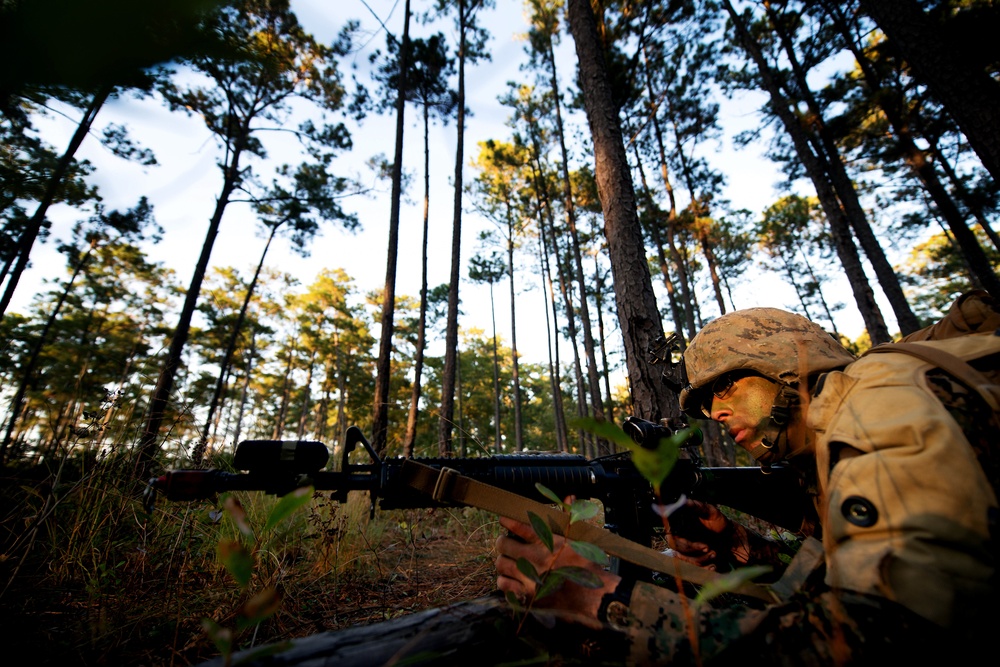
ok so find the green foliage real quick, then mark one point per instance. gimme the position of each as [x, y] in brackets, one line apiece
[240, 562]
[654, 464]
[550, 581]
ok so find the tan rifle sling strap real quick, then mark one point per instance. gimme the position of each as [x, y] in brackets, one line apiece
[951, 364]
[448, 485]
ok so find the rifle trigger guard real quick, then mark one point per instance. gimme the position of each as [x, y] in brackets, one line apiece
[445, 482]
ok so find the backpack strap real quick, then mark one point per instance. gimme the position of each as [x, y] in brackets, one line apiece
[952, 365]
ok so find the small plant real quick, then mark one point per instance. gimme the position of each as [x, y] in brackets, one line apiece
[240, 563]
[655, 465]
[550, 581]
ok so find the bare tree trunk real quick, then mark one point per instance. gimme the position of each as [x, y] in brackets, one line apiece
[594, 386]
[307, 398]
[515, 365]
[839, 226]
[451, 332]
[829, 155]
[157, 409]
[654, 231]
[380, 410]
[637, 311]
[891, 103]
[227, 356]
[418, 362]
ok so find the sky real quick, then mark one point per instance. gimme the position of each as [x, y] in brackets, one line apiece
[184, 186]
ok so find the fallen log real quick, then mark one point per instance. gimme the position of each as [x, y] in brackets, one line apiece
[484, 632]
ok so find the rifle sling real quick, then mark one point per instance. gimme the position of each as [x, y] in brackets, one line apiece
[446, 484]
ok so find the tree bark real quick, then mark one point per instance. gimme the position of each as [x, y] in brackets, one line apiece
[637, 311]
[593, 383]
[447, 415]
[383, 369]
[157, 409]
[864, 297]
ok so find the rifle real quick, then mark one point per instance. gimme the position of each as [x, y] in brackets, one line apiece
[280, 466]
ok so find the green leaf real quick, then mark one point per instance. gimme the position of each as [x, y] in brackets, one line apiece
[653, 464]
[260, 607]
[542, 530]
[729, 582]
[220, 636]
[550, 494]
[581, 510]
[237, 561]
[527, 569]
[287, 505]
[552, 583]
[581, 576]
[513, 601]
[238, 515]
[589, 551]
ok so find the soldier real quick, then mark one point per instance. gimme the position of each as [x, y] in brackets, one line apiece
[903, 460]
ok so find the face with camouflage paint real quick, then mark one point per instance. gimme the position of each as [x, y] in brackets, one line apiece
[743, 406]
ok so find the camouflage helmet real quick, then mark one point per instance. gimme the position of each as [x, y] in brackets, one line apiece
[767, 341]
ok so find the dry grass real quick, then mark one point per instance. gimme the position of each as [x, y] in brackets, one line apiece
[88, 578]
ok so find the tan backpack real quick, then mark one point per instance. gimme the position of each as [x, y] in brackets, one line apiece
[963, 349]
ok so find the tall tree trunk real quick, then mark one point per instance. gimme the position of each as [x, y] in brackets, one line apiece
[653, 228]
[581, 391]
[602, 337]
[286, 389]
[829, 155]
[839, 226]
[418, 362]
[637, 311]
[555, 372]
[448, 378]
[892, 104]
[593, 382]
[245, 391]
[971, 95]
[307, 398]
[383, 370]
[227, 357]
[545, 223]
[680, 267]
[156, 412]
[28, 368]
[515, 365]
[496, 378]
[27, 240]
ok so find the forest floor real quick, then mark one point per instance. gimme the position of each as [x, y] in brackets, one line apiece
[132, 613]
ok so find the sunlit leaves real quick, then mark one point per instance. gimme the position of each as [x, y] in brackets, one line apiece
[653, 463]
[287, 505]
[237, 560]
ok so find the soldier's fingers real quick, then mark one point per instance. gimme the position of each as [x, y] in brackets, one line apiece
[521, 530]
[687, 546]
[511, 579]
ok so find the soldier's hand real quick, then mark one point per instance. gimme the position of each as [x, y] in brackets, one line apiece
[701, 534]
[522, 542]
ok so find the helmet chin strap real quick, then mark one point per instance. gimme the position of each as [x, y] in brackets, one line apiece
[773, 446]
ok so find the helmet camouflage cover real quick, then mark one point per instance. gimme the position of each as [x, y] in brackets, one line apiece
[775, 343]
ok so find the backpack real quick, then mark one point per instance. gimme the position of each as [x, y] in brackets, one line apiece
[963, 349]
